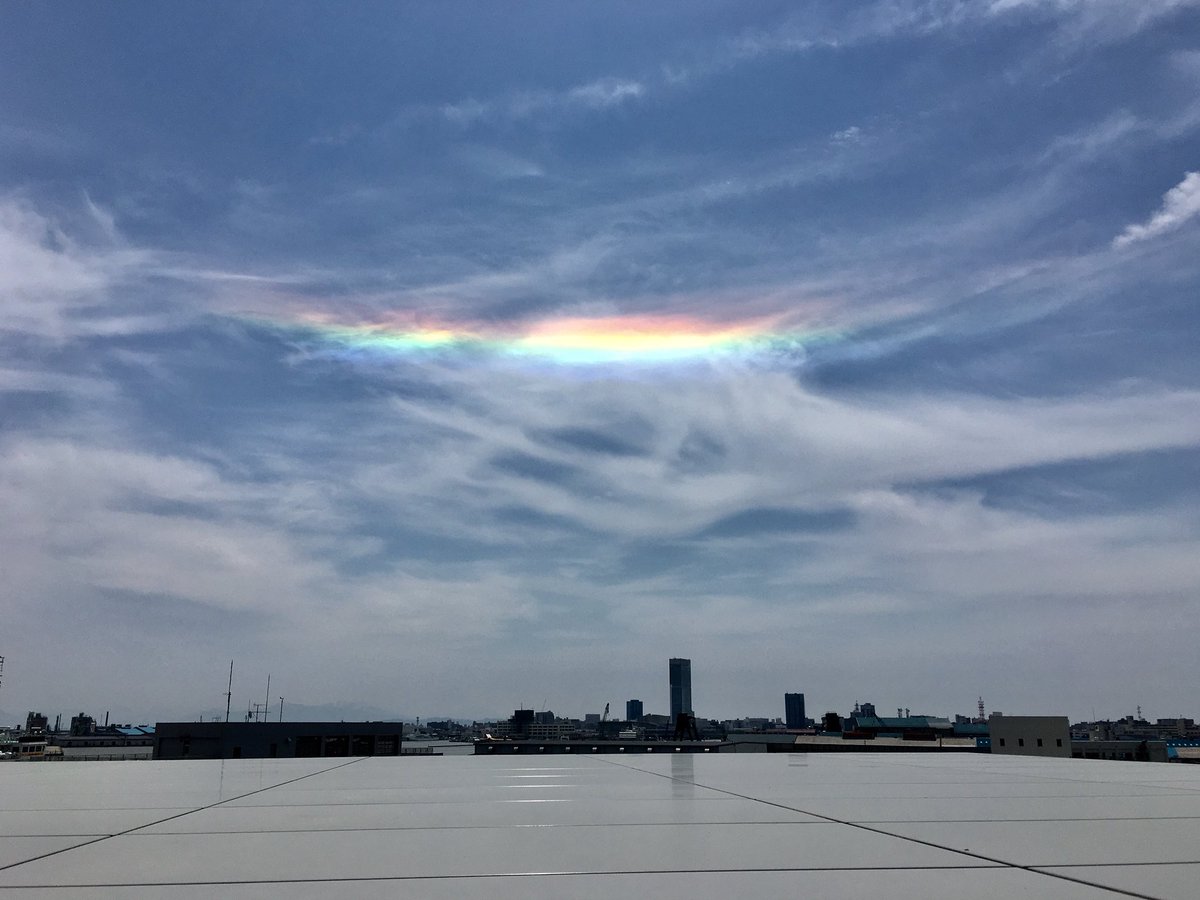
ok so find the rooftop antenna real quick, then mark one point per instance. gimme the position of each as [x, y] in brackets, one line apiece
[982, 717]
[1139, 712]
[267, 704]
[1, 670]
[229, 693]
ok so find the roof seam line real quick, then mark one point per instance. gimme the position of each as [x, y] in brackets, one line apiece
[967, 853]
[177, 816]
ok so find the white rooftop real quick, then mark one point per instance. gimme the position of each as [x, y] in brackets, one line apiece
[652, 825]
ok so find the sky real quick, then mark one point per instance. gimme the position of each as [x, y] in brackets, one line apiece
[444, 359]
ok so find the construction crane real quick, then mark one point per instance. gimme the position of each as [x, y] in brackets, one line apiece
[604, 717]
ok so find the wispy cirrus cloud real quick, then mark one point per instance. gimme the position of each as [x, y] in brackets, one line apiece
[72, 273]
[1074, 22]
[1135, 14]
[593, 96]
[1180, 205]
[992, 440]
[53, 278]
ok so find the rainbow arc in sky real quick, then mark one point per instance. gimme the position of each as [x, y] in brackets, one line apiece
[565, 340]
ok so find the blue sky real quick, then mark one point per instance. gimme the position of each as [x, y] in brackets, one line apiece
[971, 468]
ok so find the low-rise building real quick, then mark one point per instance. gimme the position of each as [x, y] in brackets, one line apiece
[912, 728]
[262, 740]
[1030, 735]
[1131, 750]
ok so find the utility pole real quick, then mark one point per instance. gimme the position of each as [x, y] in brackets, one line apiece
[229, 693]
[267, 698]
[280, 709]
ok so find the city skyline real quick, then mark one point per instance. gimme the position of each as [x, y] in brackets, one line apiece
[792, 712]
[443, 363]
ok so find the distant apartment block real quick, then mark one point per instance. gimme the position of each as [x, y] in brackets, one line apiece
[793, 705]
[680, 672]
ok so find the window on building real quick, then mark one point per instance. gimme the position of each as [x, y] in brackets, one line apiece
[308, 745]
[1020, 742]
[1039, 742]
[1001, 742]
[1058, 742]
[337, 745]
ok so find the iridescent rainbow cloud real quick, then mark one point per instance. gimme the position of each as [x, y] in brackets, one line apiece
[577, 340]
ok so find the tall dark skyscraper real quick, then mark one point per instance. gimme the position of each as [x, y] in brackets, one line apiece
[681, 687]
[633, 710]
[793, 705]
